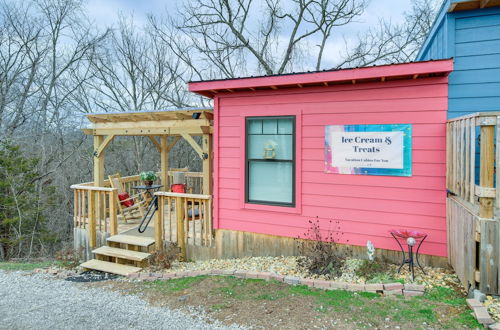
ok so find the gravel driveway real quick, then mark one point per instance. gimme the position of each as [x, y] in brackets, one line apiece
[41, 302]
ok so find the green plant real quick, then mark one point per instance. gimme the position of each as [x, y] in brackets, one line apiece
[162, 259]
[320, 255]
[23, 220]
[148, 176]
[369, 269]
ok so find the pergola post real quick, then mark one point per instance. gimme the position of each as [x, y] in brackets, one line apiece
[164, 150]
[97, 205]
[98, 161]
[207, 164]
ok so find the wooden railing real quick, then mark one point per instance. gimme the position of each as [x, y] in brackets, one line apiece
[194, 181]
[185, 219]
[473, 155]
[95, 210]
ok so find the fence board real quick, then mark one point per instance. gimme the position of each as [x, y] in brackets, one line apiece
[489, 257]
[467, 160]
[472, 163]
[462, 245]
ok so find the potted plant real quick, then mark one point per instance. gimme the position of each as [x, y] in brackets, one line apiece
[148, 177]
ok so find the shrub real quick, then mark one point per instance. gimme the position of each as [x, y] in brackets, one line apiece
[369, 269]
[68, 257]
[321, 255]
[163, 259]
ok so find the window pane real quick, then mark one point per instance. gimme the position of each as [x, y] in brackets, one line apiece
[285, 126]
[254, 126]
[270, 181]
[270, 126]
[270, 147]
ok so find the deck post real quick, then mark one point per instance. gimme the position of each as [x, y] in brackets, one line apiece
[487, 168]
[164, 162]
[181, 239]
[159, 224]
[92, 219]
[113, 216]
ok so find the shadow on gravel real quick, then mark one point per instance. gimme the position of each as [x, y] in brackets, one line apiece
[91, 276]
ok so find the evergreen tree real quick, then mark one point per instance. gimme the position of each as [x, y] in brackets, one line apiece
[22, 224]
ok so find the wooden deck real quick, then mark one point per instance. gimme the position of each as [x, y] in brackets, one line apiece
[193, 227]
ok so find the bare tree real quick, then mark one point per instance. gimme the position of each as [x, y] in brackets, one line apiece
[393, 43]
[230, 38]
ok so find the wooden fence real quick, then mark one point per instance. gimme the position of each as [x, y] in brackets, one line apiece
[473, 154]
[186, 216]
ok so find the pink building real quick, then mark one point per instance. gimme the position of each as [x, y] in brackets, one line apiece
[282, 155]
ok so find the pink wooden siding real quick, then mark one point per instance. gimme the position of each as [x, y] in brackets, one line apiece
[367, 206]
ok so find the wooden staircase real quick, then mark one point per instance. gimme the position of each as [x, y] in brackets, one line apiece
[124, 255]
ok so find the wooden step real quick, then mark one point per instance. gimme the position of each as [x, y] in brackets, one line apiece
[110, 267]
[132, 240]
[121, 253]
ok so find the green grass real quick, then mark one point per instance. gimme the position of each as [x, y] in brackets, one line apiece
[384, 278]
[174, 285]
[26, 266]
[218, 307]
[364, 308]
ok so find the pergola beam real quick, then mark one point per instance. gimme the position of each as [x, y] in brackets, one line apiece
[103, 145]
[173, 143]
[155, 142]
[133, 131]
[189, 139]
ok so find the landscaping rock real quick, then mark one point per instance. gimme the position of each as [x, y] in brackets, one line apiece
[495, 326]
[291, 280]
[478, 295]
[277, 277]
[240, 273]
[493, 305]
[374, 287]
[339, 285]
[393, 286]
[320, 284]
[264, 276]
[473, 303]
[393, 292]
[482, 315]
[307, 281]
[414, 287]
[253, 275]
[356, 287]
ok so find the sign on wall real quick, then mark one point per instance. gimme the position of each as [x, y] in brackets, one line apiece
[368, 149]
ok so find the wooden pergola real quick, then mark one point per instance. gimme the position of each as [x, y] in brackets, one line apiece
[157, 126]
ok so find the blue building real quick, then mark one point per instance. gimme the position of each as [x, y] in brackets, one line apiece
[468, 31]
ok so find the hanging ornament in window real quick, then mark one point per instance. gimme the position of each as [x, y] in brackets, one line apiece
[269, 150]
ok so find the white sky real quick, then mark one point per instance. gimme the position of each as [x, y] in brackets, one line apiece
[105, 13]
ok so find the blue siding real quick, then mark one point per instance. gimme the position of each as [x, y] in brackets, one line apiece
[473, 39]
[436, 48]
[475, 82]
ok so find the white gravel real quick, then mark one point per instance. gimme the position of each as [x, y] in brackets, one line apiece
[40, 302]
